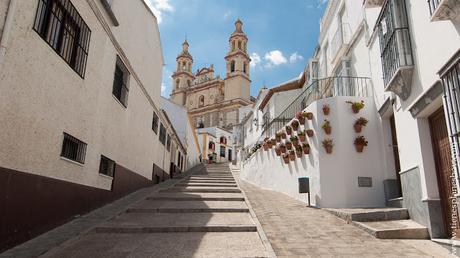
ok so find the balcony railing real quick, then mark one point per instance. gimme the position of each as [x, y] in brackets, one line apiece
[433, 4]
[320, 89]
[441, 10]
[396, 54]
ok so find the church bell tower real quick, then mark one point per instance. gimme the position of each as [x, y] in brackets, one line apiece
[183, 77]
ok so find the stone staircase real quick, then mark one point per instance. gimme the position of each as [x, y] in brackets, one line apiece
[384, 223]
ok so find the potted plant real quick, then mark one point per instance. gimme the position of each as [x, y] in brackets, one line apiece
[288, 129]
[327, 127]
[306, 148]
[308, 115]
[295, 125]
[310, 133]
[282, 148]
[294, 140]
[278, 151]
[359, 123]
[278, 137]
[299, 117]
[360, 142]
[298, 151]
[269, 144]
[356, 106]
[328, 144]
[292, 155]
[301, 136]
[326, 109]
[273, 142]
[265, 145]
[283, 135]
[286, 158]
[288, 145]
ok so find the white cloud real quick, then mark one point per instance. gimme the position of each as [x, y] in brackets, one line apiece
[163, 88]
[274, 58]
[295, 57]
[255, 59]
[158, 7]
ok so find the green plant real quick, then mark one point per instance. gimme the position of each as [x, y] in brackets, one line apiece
[356, 106]
[305, 145]
[326, 109]
[327, 143]
[361, 140]
[361, 121]
[301, 133]
[298, 148]
[294, 138]
[295, 124]
[326, 124]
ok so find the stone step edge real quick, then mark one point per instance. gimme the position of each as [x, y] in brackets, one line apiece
[230, 199]
[171, 229]
[398, 214]
[185, 210]
[207, 185]
[395, 233]
[173, 190]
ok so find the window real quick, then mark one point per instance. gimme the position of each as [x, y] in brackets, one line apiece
[222, 151]
[168, 143]
[61, 26]
[232, 66]
[162, 134]
[239, 45]
[107, 166]
[73, 149]
[177, 83]
[245, 67]
[233, 45]
[211, 145]
[201, 101]
[155, 123]
[120, 82]
[223, 140]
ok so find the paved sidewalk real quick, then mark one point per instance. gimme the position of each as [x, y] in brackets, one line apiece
[298, 231]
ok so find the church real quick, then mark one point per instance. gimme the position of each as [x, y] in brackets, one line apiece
[211, 100]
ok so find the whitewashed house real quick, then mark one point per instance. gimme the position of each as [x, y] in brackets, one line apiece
[216, 144]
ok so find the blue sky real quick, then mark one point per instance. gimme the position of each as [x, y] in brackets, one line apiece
[282, 35]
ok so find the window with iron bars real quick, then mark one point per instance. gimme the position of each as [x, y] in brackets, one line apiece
[121, 82]
[394, 38]
[61, 26]
[73, 149]
[106, 166]
[162, 134]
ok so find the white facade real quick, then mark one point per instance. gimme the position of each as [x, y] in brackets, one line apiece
[216, 144]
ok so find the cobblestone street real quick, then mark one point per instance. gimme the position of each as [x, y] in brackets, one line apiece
[295, 230]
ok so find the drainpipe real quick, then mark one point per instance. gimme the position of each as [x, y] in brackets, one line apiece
[7, 29]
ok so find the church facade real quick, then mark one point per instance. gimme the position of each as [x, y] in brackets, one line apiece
[211, 100]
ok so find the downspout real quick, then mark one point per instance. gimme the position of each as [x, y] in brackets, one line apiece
[7, 29]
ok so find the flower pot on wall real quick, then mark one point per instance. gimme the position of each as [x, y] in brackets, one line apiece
[283, 149]
[359, 148]
[328, 130]
[358, 128]
[309, 115]
[288, 145]
[265, 145]
[278, 151]
[295, 125]
[286, 158]
[269, 144]
[302, 137]
[310, 133]
[288, 130]
[299, 154]
[278, 138]
[292, 155]
[328, 149]
[306, 150]
[326, 110]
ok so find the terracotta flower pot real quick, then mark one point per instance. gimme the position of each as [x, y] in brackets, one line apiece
[295, 143]
[273, 142]
[288, 145]
[283, 136]
[355, 109]
[328, 130]
[359, 148]
[328, 149]
[283, 149]
[265, 145]
[292, 156]
[326, 110]
[278, 151]
[306, 151]
[288, 131]
[309, 115]
[302, 137]
[310, 133]
[298, 115]
[295, 128]
[358, 128]
[286, 159]
[299, 154]
[301, 120]
[278, 138]
[269, 144]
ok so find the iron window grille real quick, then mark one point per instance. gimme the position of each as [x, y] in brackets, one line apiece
[61, 26]
[433, 4]
[73, 149]
[162, 134]
[168, 143]
[394, 38]
[121, 82]
[155, 123]
[107, 166]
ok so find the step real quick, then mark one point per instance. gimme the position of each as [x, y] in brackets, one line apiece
[196, 244]
[188, 210]
[133, 219]
[162, 204]
[198, 196]
[394, 229]
[201, 190]
[210, 181]
[128, 230]
[370, 214]
[395, 203]
[207, 185]
[190, 199]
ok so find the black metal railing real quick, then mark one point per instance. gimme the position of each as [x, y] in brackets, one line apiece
[433, 4]
[320, 89]
[394, 37]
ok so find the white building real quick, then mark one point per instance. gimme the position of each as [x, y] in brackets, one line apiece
[80, 110]
[216, 144]
[414, 46]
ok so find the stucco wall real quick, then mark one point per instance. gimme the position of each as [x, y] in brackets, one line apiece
[333, 177]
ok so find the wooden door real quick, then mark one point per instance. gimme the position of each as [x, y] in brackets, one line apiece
[394, 142]
[443, 160]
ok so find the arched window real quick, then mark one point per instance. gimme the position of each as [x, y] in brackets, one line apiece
[244, 67]
[223, 140]
[232, 66]
[189, 83]
[201, 101]
[211, 145]
[244, 46]
[184, 66]
[239, 44]
[177, 83]
[233, 45]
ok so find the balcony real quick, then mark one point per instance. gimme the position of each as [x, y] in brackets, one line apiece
[320, 89]
[441, 10]
[373, 3]
[340, 41]
[395, 47]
